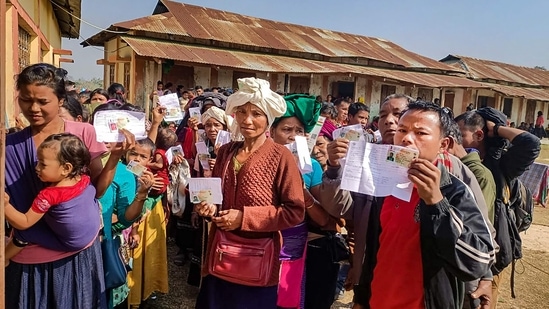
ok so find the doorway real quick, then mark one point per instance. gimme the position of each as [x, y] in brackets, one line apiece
[343, 90]
[530, 111]
[386, 90]
[449, 100]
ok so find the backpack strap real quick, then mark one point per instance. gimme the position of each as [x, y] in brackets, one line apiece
[512, 282]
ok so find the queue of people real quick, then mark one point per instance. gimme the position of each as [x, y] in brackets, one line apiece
[276, 239]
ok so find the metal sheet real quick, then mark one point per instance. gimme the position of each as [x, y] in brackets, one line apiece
[521, 92]
[479, 69]
[280, 64]
[205, 23]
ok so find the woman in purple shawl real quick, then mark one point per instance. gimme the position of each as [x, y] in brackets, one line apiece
[44, 275]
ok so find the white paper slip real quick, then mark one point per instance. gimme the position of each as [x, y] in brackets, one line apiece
[378, 170]
[201, 147]
[201, 135]
[203, 155]
[194, 112]
[223, 137]
[377, 135]
[313, 135]
[301, 153]
[108, 123]
[205, 190]
[174, 151]
[352, 133]
[171, 103]
[135, 168]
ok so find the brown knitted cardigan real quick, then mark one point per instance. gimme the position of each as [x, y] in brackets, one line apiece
[269, 191]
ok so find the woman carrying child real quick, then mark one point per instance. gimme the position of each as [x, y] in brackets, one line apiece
[40, 276]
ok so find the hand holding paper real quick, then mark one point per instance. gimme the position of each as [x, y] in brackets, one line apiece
[205, 190]
[108, 124]
[170, 102]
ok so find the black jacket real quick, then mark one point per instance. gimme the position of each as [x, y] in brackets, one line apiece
[456, 246]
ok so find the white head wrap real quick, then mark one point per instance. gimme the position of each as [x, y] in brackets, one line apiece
[258, 92]
[219, 115]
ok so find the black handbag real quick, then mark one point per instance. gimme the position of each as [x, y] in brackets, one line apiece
[114, 267]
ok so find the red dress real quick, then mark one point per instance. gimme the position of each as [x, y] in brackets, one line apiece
[162, 173]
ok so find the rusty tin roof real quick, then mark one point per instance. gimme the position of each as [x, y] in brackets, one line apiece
[484, 70]
[281, 64]
[245, 33]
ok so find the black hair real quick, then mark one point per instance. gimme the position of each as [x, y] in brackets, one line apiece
[73, 106]
[100, 91]
[455, 133]
[166, 138]
[43, 74]
[116, 91]
[147, 142]
[159, 83]
[198, 87]
[71, 150]
[472, 120]
[85, 114]
[444, 113]
[329, 109]
[337, 102]
[168, 85]
[357, 107]
[540, 113]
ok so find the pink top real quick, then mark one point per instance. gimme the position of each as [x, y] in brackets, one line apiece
[34, 254]
[539, 121]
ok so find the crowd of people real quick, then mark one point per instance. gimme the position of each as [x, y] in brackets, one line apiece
[276, 239]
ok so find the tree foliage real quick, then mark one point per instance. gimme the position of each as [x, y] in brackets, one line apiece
[540, 68]
[88, 84]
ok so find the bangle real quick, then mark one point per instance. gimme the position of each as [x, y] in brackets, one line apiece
[310, 206]
[139, 199]
[19, 243]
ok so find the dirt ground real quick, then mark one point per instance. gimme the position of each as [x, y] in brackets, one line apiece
[531, 286]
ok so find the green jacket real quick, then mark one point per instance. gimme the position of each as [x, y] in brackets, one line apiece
[485, 180]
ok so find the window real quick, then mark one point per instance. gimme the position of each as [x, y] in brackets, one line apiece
[387, 90]
[507, 106]
[127, 77]
[484, 101]
[24, 46]
[111, 73]
[425, 94]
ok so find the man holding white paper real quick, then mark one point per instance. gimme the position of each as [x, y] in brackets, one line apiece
[440, 233]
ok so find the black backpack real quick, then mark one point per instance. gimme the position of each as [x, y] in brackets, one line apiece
[513, 214]
[521, 204]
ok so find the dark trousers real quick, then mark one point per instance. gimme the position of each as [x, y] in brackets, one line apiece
[320, 275]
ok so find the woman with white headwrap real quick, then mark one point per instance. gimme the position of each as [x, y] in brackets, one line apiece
[262, 194]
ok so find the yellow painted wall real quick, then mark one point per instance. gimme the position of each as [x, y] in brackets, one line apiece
[42, 18]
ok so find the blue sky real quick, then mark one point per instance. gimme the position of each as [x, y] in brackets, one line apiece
[514, 32]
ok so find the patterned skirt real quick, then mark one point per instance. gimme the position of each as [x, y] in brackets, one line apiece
[73, 282]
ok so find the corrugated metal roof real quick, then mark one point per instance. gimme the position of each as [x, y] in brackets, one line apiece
[67, 13]
[479, 69]
[216, 25]
[521, 92]
[281, 64]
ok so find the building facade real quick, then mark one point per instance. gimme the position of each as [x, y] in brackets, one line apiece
[191, 45]
[519, 92]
